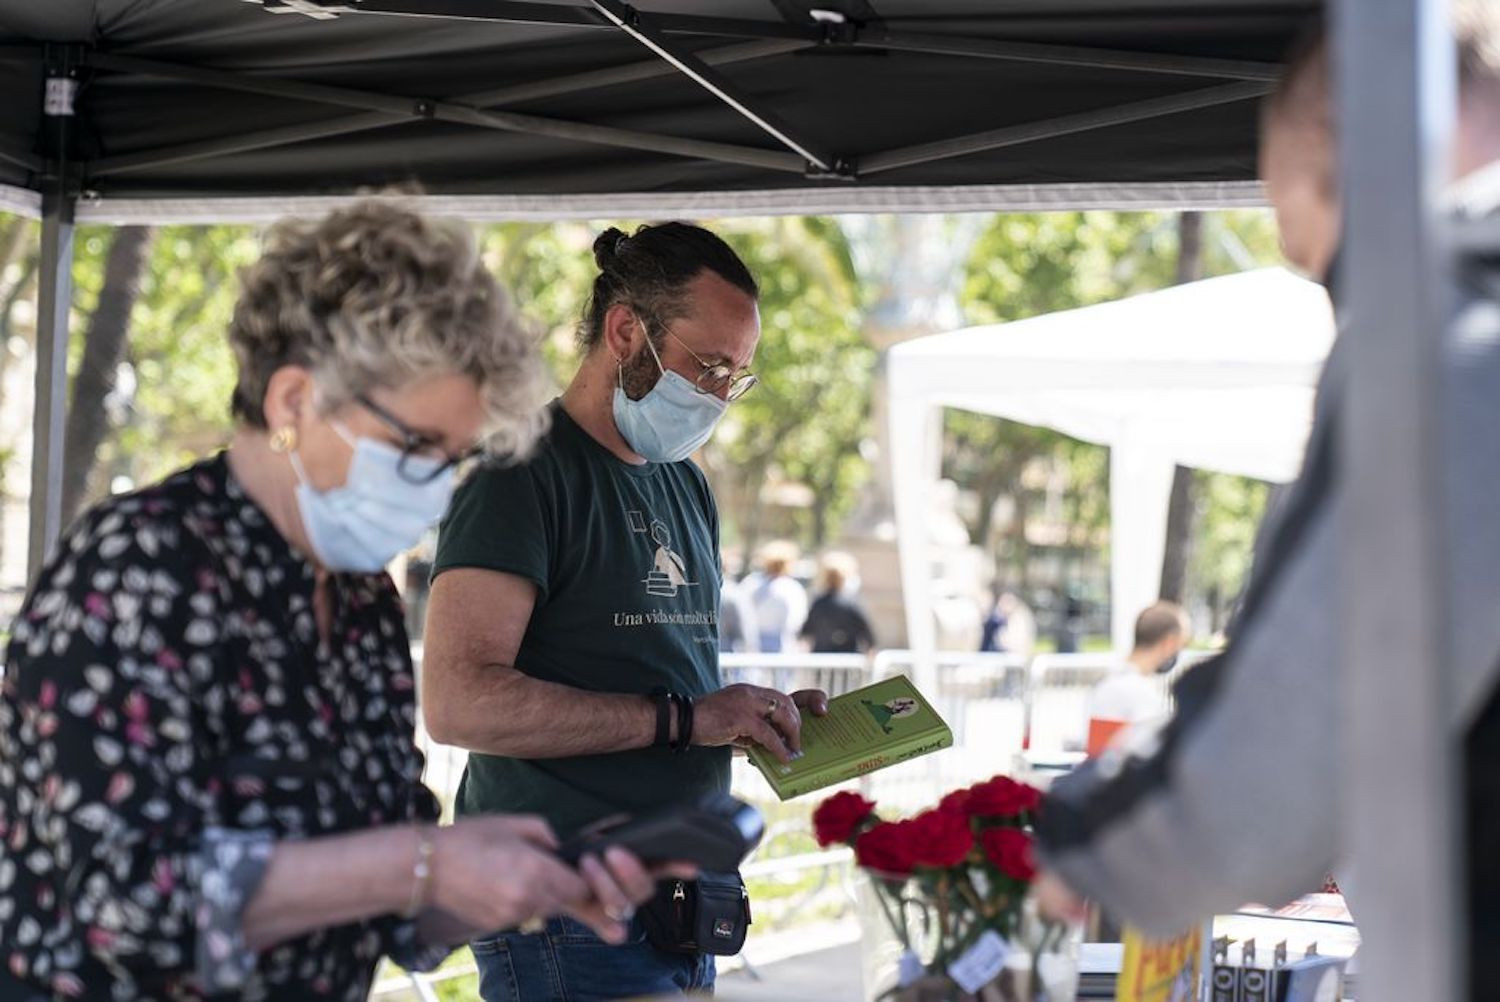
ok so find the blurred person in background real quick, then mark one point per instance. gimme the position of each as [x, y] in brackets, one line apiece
[735, 616]
[778, 600]
[1010, 627]
[1132, 692]
[835, 623]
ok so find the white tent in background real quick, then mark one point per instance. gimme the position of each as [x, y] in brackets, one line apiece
[1216, 374]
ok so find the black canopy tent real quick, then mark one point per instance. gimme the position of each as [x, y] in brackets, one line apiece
[161, 110]
[208, 99]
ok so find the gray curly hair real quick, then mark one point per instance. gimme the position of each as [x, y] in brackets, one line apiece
[376, 295]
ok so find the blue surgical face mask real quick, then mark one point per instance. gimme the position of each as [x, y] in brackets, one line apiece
[377, 514]
[672, 421]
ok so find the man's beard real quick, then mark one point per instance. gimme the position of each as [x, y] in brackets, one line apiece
[640, 374]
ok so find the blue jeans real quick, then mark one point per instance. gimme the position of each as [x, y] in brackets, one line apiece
[568, 963]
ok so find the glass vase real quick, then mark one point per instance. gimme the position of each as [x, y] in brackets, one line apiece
[898, 944]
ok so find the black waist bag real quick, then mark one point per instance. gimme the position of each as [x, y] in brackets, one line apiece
[707, 915]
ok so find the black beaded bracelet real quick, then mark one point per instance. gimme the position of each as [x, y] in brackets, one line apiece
[663, 700]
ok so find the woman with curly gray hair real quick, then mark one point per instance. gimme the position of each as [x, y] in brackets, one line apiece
[209, 784]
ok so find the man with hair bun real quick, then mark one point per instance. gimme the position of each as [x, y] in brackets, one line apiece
[572, 632]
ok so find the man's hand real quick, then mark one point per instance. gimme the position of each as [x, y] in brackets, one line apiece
[1056, 901]
[748, 714]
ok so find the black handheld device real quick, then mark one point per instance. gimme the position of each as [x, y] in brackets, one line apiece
[716, 832]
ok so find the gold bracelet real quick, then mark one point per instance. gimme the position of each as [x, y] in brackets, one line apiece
[421, 872]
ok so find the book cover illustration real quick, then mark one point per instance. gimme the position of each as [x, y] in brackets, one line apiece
[1159, 970]
[865, 730]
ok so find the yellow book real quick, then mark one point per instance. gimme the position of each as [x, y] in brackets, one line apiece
[1159, 970]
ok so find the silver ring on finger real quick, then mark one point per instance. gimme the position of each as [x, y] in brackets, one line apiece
[533, 926]
[620, 915]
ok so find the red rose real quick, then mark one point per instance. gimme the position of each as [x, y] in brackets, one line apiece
[940, 838]
[839, 817]
[1010, 850]
[886, 849]
[1002, 797]
[956, 802]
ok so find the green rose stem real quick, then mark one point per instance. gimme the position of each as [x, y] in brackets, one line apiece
[945, 920]
[898, 926]
[966, 888]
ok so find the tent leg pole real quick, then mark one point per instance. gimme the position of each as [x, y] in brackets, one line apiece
[54, 301]
[54, 297]
[1395, 67]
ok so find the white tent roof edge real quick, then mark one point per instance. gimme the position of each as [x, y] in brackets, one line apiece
[823, 200]
[1281, 372]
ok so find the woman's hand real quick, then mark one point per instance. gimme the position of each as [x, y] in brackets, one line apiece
[500, 873]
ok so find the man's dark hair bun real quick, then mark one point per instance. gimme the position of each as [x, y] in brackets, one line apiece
[653, 278]
[607, 247]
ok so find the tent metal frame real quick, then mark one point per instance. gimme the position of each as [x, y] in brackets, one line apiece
[55, 298]
[630, 21]
[486, 99]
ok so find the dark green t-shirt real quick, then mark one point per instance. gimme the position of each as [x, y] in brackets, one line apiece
[626, 564]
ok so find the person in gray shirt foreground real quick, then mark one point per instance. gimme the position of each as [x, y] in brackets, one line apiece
[1238, 798]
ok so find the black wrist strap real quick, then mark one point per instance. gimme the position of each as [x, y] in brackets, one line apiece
[684, 724]
[663, 700]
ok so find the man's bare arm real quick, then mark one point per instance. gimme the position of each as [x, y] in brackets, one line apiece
[473, 696]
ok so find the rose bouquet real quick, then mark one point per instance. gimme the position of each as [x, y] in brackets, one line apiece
[951, 884]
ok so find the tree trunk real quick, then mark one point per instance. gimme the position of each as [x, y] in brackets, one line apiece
[1189, 247]
[1180, 512]
[103, 350]
[1181, 507]
[1020, 545]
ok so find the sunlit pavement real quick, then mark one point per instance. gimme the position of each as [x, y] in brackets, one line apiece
[830, 975]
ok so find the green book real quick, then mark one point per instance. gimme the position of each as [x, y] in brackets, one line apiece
[865, 730]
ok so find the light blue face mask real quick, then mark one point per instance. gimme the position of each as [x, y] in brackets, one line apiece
[672, 421]
[377, 513]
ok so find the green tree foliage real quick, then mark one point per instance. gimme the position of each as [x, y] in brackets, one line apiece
[173, 404]
[1229, 511]
[805, 420]
[803, 425]
[1025, 265]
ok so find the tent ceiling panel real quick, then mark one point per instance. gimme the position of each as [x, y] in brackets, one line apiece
[896, 74]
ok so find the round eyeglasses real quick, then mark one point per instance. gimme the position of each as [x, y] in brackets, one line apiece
[713, 379]
[422, 458]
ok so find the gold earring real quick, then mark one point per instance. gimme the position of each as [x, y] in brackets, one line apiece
[284, 439]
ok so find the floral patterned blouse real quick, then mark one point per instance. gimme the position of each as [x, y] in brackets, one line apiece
[167, 713]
